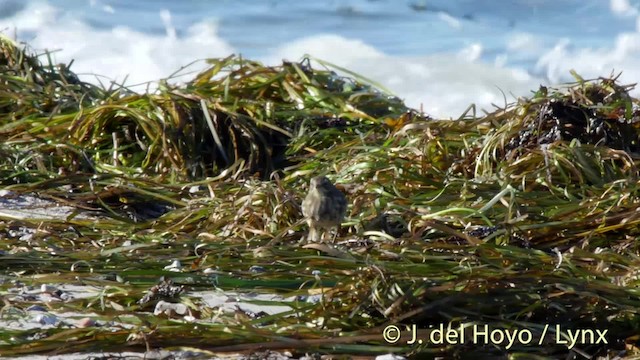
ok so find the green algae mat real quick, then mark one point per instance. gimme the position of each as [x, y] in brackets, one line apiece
[510, 234]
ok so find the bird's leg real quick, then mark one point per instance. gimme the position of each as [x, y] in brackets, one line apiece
[324, 234]
[313, 233]
[335, 234]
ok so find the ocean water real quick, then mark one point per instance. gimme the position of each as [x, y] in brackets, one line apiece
[437, 55]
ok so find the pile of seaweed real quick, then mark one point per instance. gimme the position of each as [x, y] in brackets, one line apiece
[524, 219]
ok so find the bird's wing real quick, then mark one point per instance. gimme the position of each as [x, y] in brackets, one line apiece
[310, 205]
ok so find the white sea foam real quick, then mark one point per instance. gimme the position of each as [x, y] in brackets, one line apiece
[622, 55]
[623, 7]
[450, 20]
[116, 53]
[104, 7]
[504, 59]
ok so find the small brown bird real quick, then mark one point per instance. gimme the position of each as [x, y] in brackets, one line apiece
[324, 207]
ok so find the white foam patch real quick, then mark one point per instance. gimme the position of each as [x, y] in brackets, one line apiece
[104, 7]
[623, 55]
[524, 43]
[116, 53]
[471, 53]
[450, 20]
[327, 47]
[622, 8]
